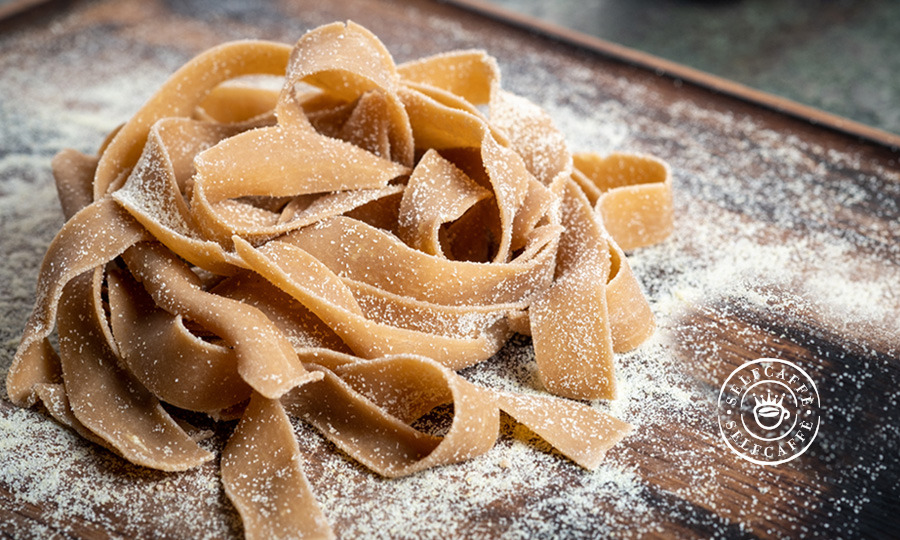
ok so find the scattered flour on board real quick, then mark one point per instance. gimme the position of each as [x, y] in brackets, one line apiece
[724, 249]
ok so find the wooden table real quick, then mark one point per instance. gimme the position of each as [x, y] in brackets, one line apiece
[787, 245]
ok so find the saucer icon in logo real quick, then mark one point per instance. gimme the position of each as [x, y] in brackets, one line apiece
[769, 411]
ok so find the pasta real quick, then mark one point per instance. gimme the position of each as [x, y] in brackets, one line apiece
[335, 251]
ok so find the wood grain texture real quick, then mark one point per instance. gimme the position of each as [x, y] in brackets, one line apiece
[743, 174]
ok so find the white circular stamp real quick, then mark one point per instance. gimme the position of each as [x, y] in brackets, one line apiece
[769, 411]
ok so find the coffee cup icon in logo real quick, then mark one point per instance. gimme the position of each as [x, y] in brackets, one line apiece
[770, 412]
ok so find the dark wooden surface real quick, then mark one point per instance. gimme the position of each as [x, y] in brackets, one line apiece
[735, 163]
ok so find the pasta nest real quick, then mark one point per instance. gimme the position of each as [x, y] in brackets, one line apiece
[335, 250]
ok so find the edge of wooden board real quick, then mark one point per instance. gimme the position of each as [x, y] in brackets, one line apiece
[678, 71]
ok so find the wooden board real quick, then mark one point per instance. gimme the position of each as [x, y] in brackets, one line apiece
[787, 245]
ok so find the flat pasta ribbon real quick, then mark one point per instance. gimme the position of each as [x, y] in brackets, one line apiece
[334, 252]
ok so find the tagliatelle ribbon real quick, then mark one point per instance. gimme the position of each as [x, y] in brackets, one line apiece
[334, 252]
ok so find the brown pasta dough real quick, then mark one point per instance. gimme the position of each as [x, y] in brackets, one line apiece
[335, 251]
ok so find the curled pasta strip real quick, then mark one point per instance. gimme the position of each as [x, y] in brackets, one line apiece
[632, 192]
[104, 398]
[335, 251]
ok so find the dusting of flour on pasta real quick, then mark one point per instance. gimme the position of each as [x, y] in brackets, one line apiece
[719, 259]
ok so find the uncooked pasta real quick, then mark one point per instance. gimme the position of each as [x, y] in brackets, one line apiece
[335, 252]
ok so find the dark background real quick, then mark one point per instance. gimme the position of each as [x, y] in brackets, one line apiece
[840, 56]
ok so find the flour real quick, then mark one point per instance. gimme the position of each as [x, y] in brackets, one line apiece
[773, 245]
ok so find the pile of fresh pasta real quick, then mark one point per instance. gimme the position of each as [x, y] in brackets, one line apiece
[335, 251]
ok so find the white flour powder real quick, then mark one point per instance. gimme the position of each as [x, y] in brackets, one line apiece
[766, 248]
